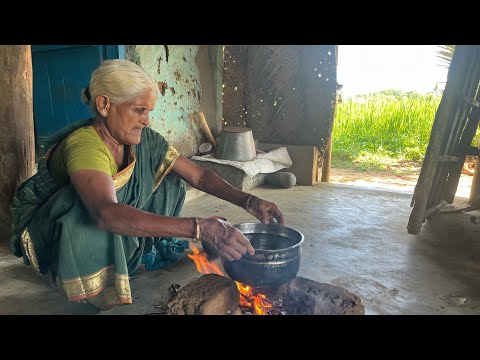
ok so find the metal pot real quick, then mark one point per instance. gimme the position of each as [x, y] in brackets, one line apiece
[236, 143]
[277, 256]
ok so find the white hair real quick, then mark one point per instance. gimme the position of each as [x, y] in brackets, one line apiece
[121, 80]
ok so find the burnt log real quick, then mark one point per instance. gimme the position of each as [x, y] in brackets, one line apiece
[210, 294]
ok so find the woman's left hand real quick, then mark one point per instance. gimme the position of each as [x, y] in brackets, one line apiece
[265, 211]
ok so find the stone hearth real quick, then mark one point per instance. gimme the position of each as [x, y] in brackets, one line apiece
[213, 294]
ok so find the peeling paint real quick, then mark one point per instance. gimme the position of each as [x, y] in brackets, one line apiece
[162, 86]
[167, 52]
[132, 54]
[177, 75]
[174, 109]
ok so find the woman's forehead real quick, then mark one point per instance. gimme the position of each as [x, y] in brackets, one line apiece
[147, 99]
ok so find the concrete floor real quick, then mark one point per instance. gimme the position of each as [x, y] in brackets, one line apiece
[354, 237]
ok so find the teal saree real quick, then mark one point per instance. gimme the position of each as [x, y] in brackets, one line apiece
[55, 234]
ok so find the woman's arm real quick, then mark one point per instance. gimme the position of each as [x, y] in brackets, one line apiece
[209, 182]
[97, 191]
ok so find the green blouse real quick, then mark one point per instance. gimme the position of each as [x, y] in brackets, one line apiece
[81, 150]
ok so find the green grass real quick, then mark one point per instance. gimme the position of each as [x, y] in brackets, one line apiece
[373, 131]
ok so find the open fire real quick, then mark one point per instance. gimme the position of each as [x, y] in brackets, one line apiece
[251, 302]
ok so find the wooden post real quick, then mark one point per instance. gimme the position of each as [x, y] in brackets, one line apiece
[206, 128]
[446, 109]
[470, 127]
[475, 190]
[17, 144]
[327, 156]
[327, 159]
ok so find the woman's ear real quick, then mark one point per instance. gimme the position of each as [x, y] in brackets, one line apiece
[102, 103]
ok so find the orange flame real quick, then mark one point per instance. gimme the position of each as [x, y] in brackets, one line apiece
[248, 296]
[261, 305]
[203, 265]
[245, 292]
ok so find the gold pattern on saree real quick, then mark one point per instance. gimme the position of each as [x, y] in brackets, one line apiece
[86, 286]
[164, 168]
[29, 250]
[122, 177]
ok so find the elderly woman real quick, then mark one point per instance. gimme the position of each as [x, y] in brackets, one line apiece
[108, 194]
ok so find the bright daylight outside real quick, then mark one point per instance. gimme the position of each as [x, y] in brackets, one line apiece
[387, 99]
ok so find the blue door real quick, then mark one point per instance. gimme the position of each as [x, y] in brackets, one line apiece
[60, 72]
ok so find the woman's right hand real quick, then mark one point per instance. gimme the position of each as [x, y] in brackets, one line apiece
[225, 239]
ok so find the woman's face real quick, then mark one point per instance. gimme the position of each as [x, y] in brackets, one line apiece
[125, 121]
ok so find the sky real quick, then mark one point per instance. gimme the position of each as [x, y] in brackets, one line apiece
[363, 69]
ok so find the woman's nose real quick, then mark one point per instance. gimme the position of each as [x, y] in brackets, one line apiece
[145, 120]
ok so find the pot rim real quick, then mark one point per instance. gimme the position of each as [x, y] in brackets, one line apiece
[273, 225]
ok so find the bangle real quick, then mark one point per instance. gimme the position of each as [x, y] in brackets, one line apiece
[197, 231]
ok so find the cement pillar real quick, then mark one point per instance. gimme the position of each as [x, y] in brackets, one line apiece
[17, 144]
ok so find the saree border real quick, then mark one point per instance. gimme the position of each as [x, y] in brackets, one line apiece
[29, 250]
[166, 165]
[84, 287]
[122, 177]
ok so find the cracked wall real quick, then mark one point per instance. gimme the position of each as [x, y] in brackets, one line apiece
[176, 72]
